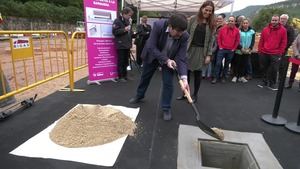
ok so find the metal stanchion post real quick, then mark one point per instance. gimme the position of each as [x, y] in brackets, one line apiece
[294, 126]
[274, 118]
[132, 60]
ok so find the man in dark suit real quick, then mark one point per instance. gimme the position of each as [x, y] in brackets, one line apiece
[166, 47]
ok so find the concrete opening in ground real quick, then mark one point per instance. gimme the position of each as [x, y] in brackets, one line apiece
[226, 155]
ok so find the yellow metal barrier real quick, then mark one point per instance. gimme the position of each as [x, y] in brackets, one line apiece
[31, 58]
[78, 56]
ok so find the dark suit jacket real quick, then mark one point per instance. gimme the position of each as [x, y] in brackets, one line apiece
[156, 43]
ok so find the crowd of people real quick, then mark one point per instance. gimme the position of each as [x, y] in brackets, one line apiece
[205, 46]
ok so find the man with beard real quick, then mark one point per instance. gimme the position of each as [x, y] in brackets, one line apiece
[271, 48]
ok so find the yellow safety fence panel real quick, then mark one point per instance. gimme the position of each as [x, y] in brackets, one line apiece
[31, 58]
[78, 59]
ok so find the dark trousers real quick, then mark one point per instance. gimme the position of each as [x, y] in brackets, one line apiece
[240, 65]
[249, 70]
[167, 83]
[139, 49]
[294, 71]
[123, 56]
[197, 80]
[269, 66]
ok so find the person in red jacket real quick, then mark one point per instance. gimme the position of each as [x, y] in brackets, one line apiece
[271, 48]
[228, 40]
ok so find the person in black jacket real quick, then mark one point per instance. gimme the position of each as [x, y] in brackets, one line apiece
[290, 39]
[289, 30]
[122, 32]
[142, 34]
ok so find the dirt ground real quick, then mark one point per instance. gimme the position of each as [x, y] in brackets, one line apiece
[48, 88]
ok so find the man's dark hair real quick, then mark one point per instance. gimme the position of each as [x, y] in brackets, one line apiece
[178, 22]
[127, 10]
[222, 15]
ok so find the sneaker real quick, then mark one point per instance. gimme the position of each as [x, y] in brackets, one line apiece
[223, 80]
[273, 87]
[167, 115]
[214, 81]
[262, 84]
[243, 80]
[234, 79]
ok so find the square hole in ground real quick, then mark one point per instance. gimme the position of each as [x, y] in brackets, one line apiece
[226, 155]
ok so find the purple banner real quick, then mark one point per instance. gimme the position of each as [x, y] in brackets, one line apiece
[102, 56]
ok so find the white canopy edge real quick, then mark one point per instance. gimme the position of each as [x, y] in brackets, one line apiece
[175, 5]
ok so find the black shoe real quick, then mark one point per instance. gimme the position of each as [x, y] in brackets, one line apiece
[167, 115]
[122, 80]
[135, 100]
[195, 98]
[289, 86]
[181, 98]
[214, 81]
[128, 78]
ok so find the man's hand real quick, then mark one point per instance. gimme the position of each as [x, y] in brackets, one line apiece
[171, 64]
[127, 28]
[185, 86]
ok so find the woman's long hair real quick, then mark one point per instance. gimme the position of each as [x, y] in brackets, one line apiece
[211, 18]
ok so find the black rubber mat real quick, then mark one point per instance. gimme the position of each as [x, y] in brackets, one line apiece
[230, 106]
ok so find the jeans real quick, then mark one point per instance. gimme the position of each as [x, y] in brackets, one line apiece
[167, 83]
[228, 55]
[206, 70]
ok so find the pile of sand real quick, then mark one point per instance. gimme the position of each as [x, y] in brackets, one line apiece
[87, 126]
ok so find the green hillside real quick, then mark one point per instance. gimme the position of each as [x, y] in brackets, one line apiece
[291, 6]
[57, 11]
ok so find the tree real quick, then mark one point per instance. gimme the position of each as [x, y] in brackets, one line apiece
[264, 17]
